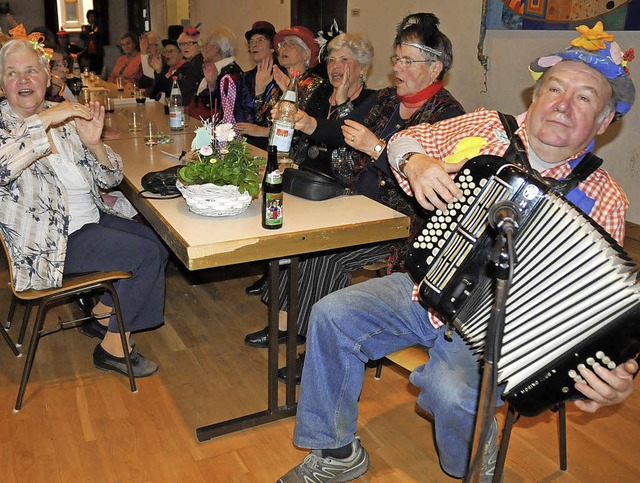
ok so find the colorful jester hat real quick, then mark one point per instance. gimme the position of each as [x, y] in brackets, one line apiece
[596, 48]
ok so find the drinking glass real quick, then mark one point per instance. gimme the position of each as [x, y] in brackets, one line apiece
[108, 105]
[135, 123]
[85, 95]
[120, 83]
[139, 95]
[151, 134]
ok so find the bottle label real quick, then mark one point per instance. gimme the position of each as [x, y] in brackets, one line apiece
[273, 209]
[289, 96]
[282, 134]
[275, 177]
[175, 120]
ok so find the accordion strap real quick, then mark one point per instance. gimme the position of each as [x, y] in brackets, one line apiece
[516, 153]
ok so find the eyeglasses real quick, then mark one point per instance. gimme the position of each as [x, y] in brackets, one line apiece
[188, 42]
[406, 61]
[257, 41]
[288, 44]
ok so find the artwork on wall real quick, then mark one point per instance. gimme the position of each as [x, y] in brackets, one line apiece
[562, 14]
[555, 15]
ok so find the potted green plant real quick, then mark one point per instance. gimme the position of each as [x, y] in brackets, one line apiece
[222, 176]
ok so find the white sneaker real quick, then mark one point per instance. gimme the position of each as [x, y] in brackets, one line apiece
[316, 469]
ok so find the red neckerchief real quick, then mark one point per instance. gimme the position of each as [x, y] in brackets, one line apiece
[170, 72]
[416, 100]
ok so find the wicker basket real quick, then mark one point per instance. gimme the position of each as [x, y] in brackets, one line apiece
[212, 200]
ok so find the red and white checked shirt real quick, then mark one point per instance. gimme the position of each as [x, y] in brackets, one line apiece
[439, 140]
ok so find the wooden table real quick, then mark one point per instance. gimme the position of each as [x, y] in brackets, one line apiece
[203, 242]
[117, 122]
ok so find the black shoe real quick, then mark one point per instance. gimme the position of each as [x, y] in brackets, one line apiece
[260, 339]
[106, 362]
[257, 287]
[86, 304]
[282, 372]
[93, 328]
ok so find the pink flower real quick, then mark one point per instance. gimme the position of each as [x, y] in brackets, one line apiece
[206, 151]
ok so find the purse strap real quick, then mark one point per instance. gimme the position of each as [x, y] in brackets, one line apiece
[227, 99]
[516, 153]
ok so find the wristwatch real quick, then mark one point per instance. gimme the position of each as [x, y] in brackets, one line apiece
[403, 161]
[378, 148]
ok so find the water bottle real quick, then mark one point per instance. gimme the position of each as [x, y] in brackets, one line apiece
[282, 129]
[76, 66]
[272, 215]
[176, 109]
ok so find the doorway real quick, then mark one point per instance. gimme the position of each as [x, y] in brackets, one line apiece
[319, 14]
[139, 15]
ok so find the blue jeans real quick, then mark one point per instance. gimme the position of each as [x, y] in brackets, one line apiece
[368, 321]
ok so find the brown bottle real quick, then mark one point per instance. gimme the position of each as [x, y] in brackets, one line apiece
[272, 196]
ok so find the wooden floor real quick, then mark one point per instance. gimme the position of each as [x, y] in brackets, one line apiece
[79, 424]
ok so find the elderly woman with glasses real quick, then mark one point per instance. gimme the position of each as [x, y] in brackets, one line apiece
[165, 67]
[422, 56]
[297, 50]
[190, 74]
[257, 92]
[53, 165]
[59, 69]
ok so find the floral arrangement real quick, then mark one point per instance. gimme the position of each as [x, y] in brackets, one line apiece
[221, 156]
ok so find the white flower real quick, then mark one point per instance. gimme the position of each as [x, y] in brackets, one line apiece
[225, 132]
[206, 151]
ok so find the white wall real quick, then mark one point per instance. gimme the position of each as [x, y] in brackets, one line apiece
[239, 16]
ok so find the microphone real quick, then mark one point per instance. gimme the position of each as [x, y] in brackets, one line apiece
[505, 217]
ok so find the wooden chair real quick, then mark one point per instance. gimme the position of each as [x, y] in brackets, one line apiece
[9, 342]
[512, 417]
[72, 286]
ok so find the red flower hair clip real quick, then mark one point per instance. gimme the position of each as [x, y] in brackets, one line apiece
[627, 57]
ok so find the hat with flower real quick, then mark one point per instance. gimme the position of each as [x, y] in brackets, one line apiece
[596, 48]
[192, 31]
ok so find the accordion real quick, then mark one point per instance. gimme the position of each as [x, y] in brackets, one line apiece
[575, 294]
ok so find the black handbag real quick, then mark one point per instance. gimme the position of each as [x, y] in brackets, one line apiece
[312, 185]
[161, 184]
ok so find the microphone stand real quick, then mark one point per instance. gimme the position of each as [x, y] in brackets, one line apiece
[504, 260]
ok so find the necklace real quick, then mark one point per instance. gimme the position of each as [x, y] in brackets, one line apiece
[332, 99]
